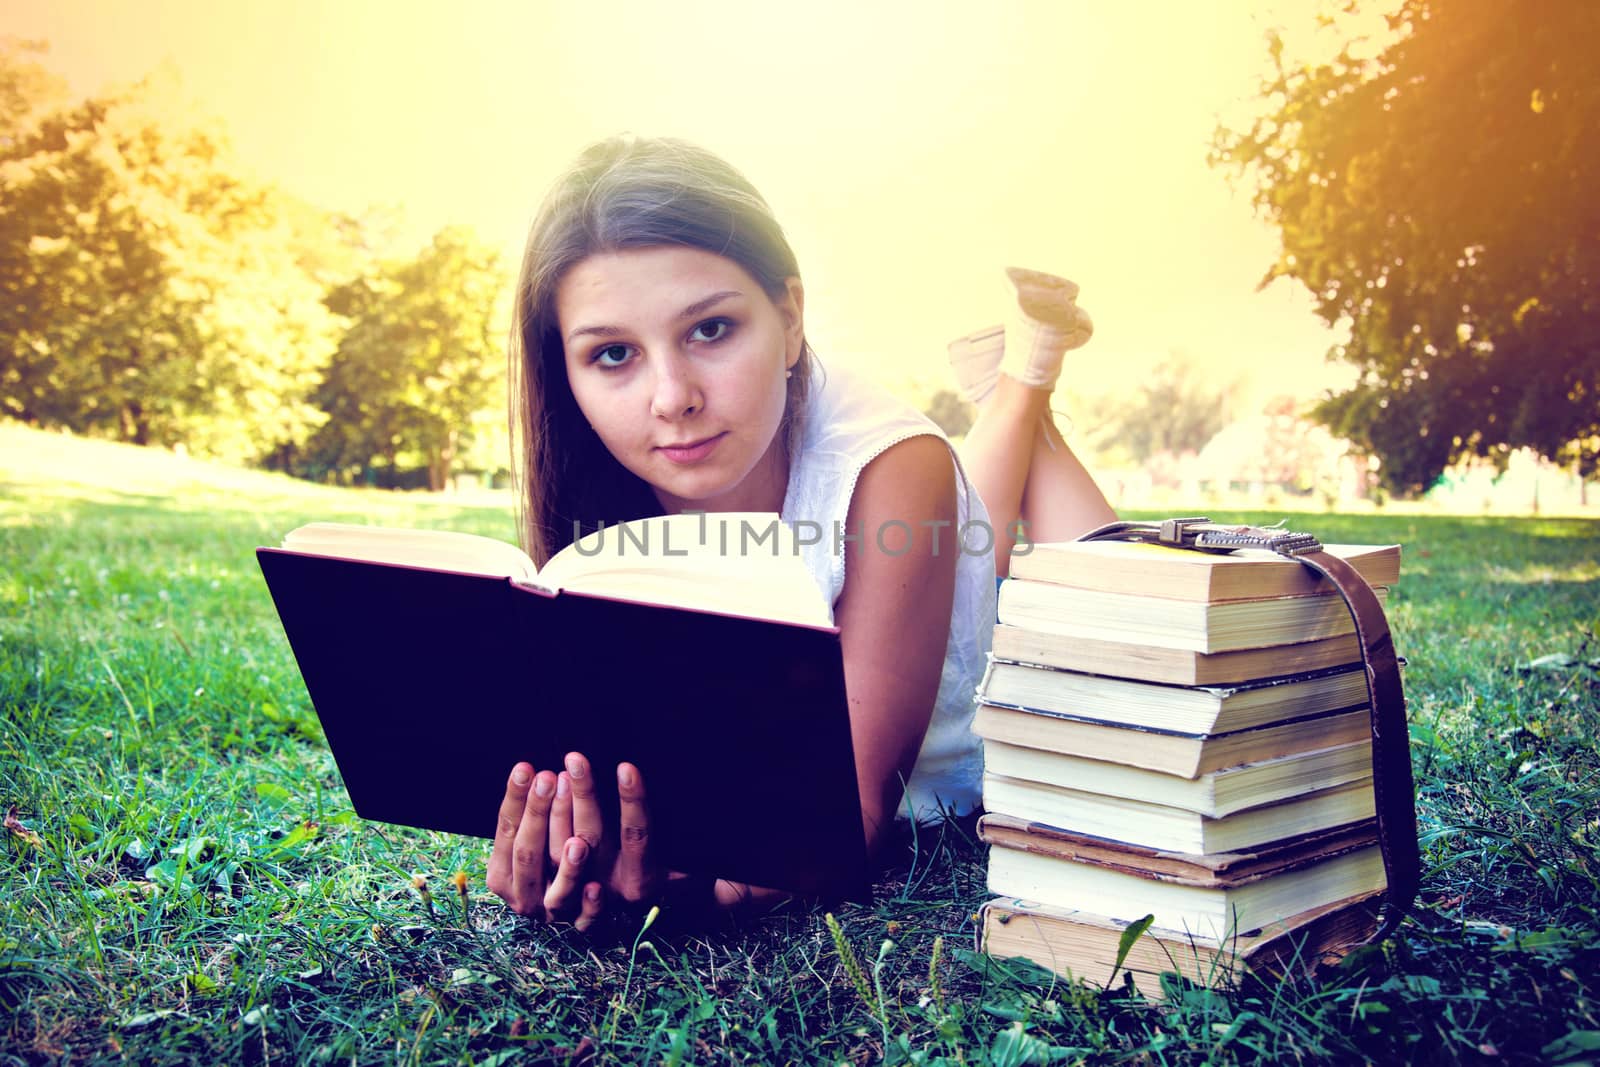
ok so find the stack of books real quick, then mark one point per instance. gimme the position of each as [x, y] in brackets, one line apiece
[1182, 741]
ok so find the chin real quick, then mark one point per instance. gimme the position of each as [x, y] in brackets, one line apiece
[692, 492]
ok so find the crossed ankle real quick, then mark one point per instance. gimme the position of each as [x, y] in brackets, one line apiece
[1035, 350]
[1045, 324]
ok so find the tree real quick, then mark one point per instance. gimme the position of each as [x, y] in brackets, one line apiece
[421, 365]
[1174, 410]
[1438, 197]
[1277, 448]
[27, 88]
[148, 292]
[949, 412]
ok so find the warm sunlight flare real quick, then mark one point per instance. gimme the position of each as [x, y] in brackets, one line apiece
[545, 531]
[1269, 235]
[910, 149]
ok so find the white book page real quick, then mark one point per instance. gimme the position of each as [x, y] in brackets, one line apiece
[734, 563]
[438, 549]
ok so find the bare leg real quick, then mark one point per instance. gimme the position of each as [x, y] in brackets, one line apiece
[997, 454]
[1023, 476]
[1061, 500]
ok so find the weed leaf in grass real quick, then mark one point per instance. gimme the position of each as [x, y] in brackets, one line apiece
[1133, 933]
[1557, 661]
[465, 976]
[1017, 970]
[1014, 1047]
[273, 793]
[1575, 1047]
[15, 825]
[146, 1019]
[202, 985]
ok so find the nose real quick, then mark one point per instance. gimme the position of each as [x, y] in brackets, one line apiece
[677, 390]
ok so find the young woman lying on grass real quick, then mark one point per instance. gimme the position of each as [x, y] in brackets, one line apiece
[660, 364]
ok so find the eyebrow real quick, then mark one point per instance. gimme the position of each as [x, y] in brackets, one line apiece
[687, 313]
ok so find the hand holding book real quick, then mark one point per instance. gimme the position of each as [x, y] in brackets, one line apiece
[389, 626]
[552, 857]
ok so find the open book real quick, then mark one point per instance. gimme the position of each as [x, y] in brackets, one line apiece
[695, 646]
[736, 563]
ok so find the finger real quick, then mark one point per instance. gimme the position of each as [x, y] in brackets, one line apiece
[527, 850]
[591, 907]
[505, 828]
[586, 819]
[633, 870]
[730, 894]
[562, 893]
[560, 817]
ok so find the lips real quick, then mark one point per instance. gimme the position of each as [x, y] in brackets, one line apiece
[691, 451]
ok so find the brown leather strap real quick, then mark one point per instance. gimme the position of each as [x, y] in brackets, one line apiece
[1392, 785]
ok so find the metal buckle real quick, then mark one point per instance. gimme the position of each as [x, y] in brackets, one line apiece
[1295, 544]
[1177, 531]
[1283, 542]
[1201, 534]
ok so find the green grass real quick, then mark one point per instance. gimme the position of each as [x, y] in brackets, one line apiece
[188, 884]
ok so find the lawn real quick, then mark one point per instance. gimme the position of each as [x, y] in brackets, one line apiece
[185, 882]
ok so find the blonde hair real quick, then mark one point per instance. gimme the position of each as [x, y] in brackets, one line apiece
[621, 193]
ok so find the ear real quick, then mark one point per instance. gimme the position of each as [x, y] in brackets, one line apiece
[791, 306]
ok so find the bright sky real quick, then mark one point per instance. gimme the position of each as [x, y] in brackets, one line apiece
[911, 150]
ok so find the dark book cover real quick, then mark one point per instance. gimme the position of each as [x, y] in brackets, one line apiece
[431, 685]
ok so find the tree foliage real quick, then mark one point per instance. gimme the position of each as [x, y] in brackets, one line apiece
[1438, 197]
[1278, 448]
[27, 88]
[151, 292]
[949, 412]
[148, 291]
[421, 363]
[1174, 410]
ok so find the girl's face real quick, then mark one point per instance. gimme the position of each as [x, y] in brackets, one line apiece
[677, 357]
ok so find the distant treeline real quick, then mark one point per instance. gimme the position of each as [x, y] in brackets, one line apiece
[152, 292]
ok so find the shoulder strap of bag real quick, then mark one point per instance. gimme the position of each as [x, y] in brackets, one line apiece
[1391, 750]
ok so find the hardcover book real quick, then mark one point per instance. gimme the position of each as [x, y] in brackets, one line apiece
[1181, 709]
[1184, 755]
[1086, 946]
[1214, 794]
[1224, 868]
[1217, 907]
[437, 661]
[1173, 666]
[1170, 573]
[1195, 626]
[1159, 826]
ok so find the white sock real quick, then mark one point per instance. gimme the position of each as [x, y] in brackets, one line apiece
[1045, 324]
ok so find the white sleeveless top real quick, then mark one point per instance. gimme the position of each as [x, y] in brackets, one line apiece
[848, 422]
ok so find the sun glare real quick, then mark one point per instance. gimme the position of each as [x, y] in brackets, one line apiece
[910, 150]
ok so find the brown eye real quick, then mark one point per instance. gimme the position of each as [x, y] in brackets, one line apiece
[711, 330]
[610, 356]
